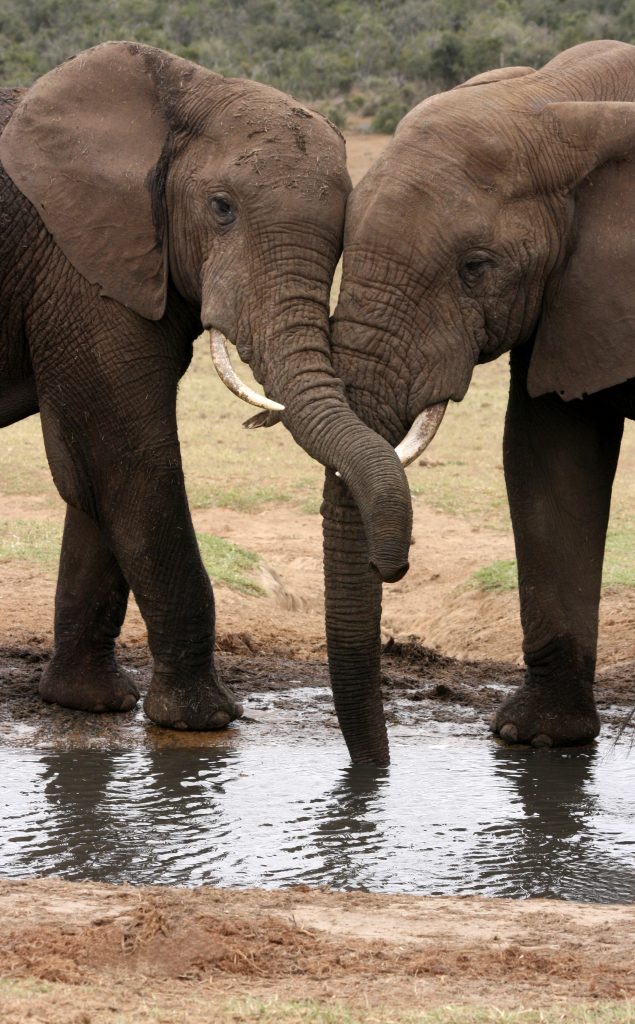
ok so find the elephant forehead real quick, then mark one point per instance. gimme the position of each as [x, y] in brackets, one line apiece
[265, 116]
[429, 203]
[255, 165]
[451, 134]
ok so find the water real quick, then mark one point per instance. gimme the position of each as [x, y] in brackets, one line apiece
[449, 816]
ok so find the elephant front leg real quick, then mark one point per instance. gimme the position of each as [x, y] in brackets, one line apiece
[90, 605]
[151, 533]
[560, 460]
[124, 471]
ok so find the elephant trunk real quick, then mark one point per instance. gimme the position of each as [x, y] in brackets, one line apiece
[320, 419]
[353, 614]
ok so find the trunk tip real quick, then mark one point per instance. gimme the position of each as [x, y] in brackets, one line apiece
[388, 572]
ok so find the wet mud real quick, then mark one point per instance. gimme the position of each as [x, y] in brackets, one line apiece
[286, 695]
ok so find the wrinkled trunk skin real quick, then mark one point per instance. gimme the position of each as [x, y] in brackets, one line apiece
[367, 517]
[353, 614]
[353, 594]
[320, 419]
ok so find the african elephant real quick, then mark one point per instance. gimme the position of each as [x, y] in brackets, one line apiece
[144, 198]
[500, 217]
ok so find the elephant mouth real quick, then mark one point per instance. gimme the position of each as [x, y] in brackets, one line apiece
[231, 380]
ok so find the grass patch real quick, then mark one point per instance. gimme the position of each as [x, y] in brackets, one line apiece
[311, 1012]
[227, 563]
[618, 571]
[25, 540]
[496, 576]
[39, 542]
[22, 997]
[245, 499]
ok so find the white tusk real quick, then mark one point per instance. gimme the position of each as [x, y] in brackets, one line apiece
[421, 433]
[231, 380]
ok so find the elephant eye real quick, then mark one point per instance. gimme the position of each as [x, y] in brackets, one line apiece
[223, 210]
[474, 267]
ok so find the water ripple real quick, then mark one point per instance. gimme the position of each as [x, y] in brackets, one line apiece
[447, 817]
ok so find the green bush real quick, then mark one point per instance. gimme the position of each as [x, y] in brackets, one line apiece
[388, 116]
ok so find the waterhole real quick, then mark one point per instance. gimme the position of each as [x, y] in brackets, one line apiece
[452, 815]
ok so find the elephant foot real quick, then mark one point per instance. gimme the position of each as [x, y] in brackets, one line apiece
[200, 705]
[547, 718]
[83, 686]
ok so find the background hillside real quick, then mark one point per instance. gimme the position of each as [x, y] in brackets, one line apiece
[374, 57]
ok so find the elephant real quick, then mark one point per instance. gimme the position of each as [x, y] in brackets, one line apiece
[498, 219]
[143, 199]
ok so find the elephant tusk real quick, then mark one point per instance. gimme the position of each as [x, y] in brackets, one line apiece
[421, 433]
[231, 380]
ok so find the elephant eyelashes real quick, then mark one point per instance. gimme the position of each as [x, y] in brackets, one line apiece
[474, 268]
[223, 210]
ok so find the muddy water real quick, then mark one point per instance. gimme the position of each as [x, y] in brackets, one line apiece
[453, 814]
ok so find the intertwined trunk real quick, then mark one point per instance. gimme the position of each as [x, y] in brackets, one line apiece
[353, 592]
[321, 420]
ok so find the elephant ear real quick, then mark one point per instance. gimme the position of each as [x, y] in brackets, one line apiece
[585, 339]
[83, 146]
[497, 75]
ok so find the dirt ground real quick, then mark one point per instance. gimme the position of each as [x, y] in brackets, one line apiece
[85, 953]
[80, 953]
[147, 953]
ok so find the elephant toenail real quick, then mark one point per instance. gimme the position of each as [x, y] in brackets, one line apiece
[542, 741]
[239, 711]
[128, 702]
[509, 732]
[180, 725]
[492, 724]
[220, 719]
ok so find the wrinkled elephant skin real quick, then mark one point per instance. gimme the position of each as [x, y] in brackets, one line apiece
[499, 218]
[144, 198]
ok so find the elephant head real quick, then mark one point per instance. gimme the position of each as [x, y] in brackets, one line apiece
[155, 175]
[498, 215]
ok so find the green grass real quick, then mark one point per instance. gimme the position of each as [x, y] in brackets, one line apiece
[618, 571]
[312, 1012]
[46, 1000]
[501, 575]
[33, 541]
[227, 563]
[38, 543]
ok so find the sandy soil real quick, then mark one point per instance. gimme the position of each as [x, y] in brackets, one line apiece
[432, 602]
[132, 949]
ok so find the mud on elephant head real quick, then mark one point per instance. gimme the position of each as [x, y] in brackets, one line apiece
[499, 216]
[179, 198]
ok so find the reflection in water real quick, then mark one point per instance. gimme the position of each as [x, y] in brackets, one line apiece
[446, 817]
[349, 832]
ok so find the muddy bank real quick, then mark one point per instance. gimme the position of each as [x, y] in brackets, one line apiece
[420, 686]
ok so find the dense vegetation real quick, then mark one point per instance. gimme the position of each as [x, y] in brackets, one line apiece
[373, 56]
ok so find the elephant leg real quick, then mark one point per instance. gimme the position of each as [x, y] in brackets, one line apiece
[560, 460]
[112, 443]
[90, 605]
